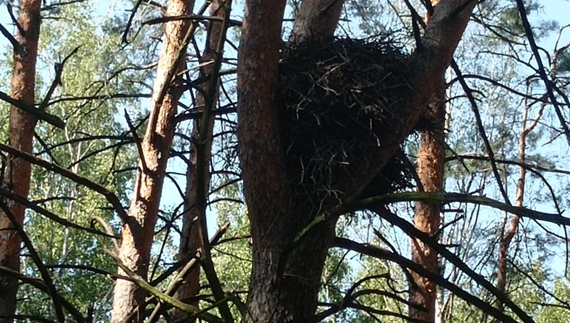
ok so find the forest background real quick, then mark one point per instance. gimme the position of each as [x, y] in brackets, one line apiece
[505, 124]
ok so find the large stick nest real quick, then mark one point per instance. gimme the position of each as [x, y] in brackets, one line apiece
[336, 100]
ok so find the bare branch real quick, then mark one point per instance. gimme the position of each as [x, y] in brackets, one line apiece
[9, 36]
[57, 79]
[51, 119]
[457, 197]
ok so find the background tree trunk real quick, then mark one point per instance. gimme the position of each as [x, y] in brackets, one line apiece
[138, 230]
[17, 175]
[507, 234]
[190, 241]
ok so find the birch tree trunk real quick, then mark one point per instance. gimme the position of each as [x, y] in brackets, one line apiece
[17, 175]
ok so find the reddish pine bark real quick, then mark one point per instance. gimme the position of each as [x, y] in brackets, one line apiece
[138, 230]
[507, 234]
[427, 218]
[265, 187]
[17, 176]
[286, 294]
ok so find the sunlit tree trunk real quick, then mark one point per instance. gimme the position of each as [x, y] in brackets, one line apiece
[138, 230]
[427, 217]
[190, 240]
[17, 174]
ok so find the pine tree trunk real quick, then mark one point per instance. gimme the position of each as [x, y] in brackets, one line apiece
[317, 19]
[138, 230]
[427, 218]
[190, 240]
[277, 294]
[17, 175]
[285, 283]
[507, 234]
[262, 162]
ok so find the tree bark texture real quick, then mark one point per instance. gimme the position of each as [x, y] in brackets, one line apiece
[285, 283]
[17, 174]
[427, 217]
[287, 294]
[190, 241]
[138, 229]
[317, 19]
[265, 183]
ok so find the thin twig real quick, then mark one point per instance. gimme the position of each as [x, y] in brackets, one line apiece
[58, 67]
[482, 131]
[541, 70]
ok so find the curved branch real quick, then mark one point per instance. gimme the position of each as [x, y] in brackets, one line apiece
[373, 251]
[457, 197]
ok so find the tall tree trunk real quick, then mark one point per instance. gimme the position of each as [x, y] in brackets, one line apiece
[285, 283]
[190, 240]
[277, 294]
[265, 188]
[427, 217]
[138, 229]
[17, 175]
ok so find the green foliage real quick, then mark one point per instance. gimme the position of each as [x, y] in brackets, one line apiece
[564, 62]
[97, 146]
[555, 308]
[232, 257]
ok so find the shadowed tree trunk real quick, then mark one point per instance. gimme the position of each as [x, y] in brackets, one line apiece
[284, 282]
[17, 175]
[265, 184]
[316, 19]
[190, 241]
[138, 229]
[427, 217]
[276, 296]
